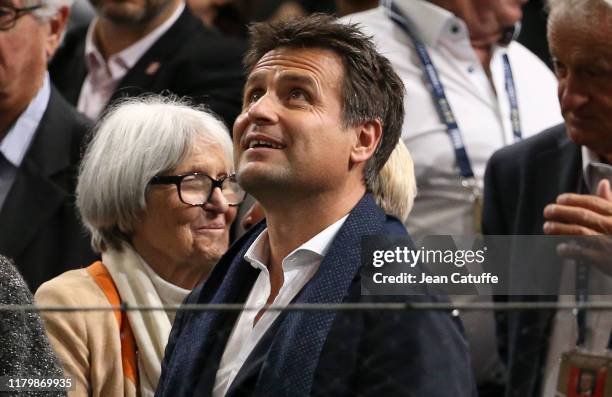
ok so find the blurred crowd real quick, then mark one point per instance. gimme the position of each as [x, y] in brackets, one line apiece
[160, 152]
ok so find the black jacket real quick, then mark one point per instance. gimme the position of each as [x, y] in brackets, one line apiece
[520, 181]
[188, 60]
[39, 228]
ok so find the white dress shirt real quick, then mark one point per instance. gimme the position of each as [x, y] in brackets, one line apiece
[598, 323]
[443, 205]
[298, 268]
[16, 143]
[104, 75]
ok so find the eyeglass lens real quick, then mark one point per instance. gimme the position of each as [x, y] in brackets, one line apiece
[195, 190]
[7, 17]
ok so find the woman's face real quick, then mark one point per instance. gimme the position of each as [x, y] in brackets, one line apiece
[174, 237]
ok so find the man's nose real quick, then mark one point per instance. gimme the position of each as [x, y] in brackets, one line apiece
[264, 110]
[572, 93]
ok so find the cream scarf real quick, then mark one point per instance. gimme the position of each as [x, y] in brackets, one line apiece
[138, 284]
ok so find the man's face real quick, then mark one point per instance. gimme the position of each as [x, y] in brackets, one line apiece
[130, 12]
[583, 64]
[24, 51]
[290, 134]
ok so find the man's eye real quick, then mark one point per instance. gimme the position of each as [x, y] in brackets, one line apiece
[254, 96]
[298, 95]
[559, 68]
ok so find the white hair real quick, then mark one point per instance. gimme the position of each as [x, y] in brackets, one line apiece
[134, 141]
[49, 8]
[394, 188]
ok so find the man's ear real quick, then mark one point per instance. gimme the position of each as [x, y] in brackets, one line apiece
[56, 26]
[368, 135]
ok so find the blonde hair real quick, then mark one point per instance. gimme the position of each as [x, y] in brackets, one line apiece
[395, 187]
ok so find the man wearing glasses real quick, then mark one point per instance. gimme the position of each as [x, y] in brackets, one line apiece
[40, 140]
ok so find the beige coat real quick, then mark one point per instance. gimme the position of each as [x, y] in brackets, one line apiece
[87, 343]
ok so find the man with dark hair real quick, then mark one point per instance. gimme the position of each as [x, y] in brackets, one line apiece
[322, 111]
[138, 47]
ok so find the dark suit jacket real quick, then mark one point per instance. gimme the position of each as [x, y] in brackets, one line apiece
[39, 228]
[193, 61]
[320, 353]
[520, 181]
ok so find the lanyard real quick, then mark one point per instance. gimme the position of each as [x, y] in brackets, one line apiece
[582, 291]
[439, 96]
[582, 296]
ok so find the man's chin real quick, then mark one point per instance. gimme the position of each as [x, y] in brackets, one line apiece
[123, 16]
[590, 138]
[255, 177]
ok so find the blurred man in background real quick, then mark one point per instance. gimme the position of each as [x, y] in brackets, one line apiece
[558, 183]
[488, 92]
[133, 48]
[40, 144]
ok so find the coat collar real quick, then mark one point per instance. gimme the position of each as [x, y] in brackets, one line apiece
[290, 367]
[292, 360]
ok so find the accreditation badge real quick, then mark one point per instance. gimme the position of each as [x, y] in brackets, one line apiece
[584, 375]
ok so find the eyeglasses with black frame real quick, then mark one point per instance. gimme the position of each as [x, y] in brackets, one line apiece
[196, 188]
[9, 15]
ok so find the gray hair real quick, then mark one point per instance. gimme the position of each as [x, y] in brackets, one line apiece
[49, 8]
[134, 141]
[580, 8]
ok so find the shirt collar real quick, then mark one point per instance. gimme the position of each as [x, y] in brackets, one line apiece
[431, 22]
[594, 169]
[258, 253]
[17, 141]
[127, 58]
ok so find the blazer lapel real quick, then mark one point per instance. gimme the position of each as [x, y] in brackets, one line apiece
[230, 282]
[35, 197]
[294, 353]
[557, 171]
[68, 69]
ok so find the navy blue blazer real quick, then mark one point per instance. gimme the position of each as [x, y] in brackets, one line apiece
[520, 181]
[320, 353]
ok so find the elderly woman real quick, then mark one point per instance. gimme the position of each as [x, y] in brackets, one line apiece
[157, 191]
